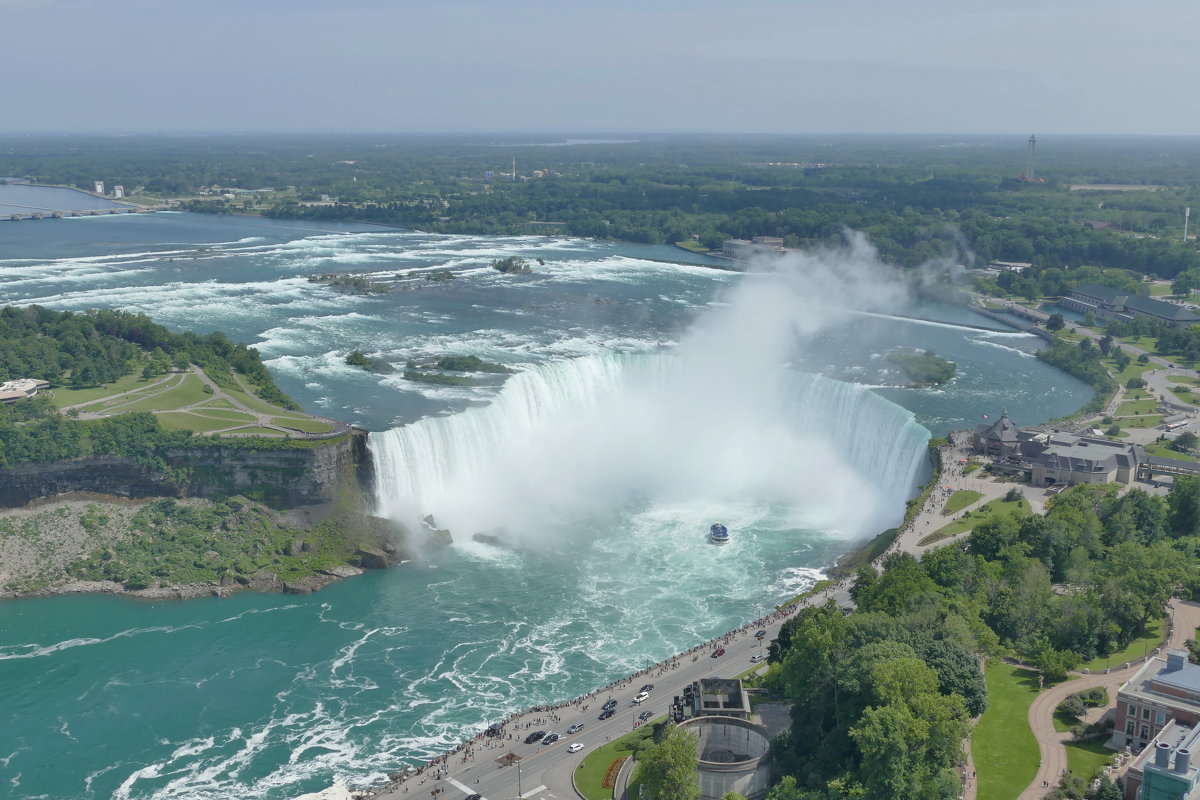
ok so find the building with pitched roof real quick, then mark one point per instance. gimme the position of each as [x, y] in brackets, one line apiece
[1109, 303]
[1000, 439]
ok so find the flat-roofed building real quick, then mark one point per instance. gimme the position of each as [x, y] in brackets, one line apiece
[21, 388]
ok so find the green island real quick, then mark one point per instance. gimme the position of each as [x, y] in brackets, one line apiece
[923, 368]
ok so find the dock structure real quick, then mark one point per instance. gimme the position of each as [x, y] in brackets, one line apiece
[37, 212]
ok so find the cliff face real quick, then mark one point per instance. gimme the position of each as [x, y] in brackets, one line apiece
[281, 478]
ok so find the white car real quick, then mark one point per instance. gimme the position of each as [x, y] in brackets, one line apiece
[575, 748]
[755, 659]
[642, 696]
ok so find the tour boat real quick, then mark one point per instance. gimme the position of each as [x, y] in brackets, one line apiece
[718, 534]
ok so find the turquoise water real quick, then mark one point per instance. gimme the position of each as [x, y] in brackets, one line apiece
[653, 397]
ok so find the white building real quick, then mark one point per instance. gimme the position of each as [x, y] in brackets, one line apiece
[12, 391]
[118, 191]
[99, 187]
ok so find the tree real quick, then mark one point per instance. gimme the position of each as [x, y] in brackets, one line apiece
[1184, 504]
[1107, 790]
[1055, 323]
[667, 769]
[1184, 442]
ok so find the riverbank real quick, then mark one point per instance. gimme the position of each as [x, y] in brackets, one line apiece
[163, 548]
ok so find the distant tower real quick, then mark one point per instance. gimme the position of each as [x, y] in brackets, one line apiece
[118, 191]
[514, 175]
[1028, 175]
[99, 187]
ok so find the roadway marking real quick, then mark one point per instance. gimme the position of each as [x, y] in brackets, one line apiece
[532, 792]
[461, 787]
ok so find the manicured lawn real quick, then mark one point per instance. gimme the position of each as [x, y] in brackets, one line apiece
[1086, 759]
[300, 424]
[1158, 451]
[1147, 421]
[960, 500]
[256, 431]
[225, 414]
[1186, 379]
[1005, 752]
[218, 402]
[1148, 640]
[183, 421]
[252, 401]
[1131, 407]
[1134, 370]
[693, 245]
[189, 391]
[119, 402]
[589, 775]
[72, 397]
[984, 512]
[1160, 289]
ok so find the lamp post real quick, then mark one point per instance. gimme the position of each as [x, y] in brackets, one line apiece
[519, 780]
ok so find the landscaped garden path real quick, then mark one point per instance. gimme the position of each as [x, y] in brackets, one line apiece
[1185, 618]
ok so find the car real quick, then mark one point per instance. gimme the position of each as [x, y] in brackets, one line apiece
[551, 738]
[476, 796]
[609, 704]
[645, 715]
[720, 651]
[575, 748]
[576, 728]
[761, 633]
[646, 688]
[606, 713]
[533, 737]
[642, 697]
[756, 658]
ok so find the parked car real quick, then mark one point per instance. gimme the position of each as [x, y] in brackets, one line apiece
[756, 658]
[575, 748]
[576, 728]
[533, 737]
[761, 633]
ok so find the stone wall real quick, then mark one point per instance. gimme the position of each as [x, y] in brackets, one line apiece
[282, 478]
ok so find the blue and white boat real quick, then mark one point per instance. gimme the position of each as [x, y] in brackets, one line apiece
[718, 534]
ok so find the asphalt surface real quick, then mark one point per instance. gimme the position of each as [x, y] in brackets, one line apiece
[544, 772]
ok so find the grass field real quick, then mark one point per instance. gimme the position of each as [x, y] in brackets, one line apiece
[960, 500]
[301, 424]
[1005, 752]
[256, 431]
[1158, 451]
[186, 392]
[183, 421]
[1086, 759]
[1134, 370]
[1184, 379]
[226, 414]
[1131, 407]
[73, 397]
[1148, 640]
[218, 402]
[589, 775]
[984, 512]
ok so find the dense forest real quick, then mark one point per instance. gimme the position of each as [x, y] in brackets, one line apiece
[919, 197]
[883, 696]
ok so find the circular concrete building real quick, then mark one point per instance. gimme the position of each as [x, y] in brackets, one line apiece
[733, 756]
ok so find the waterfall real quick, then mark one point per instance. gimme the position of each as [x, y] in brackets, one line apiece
[593, 436]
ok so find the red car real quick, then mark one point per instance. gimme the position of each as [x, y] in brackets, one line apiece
[720, 651]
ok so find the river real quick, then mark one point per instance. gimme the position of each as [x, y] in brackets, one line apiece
[654, 394]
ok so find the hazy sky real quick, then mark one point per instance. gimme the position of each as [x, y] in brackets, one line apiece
[781, 66]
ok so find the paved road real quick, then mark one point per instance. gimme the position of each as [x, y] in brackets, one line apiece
[545, 772]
